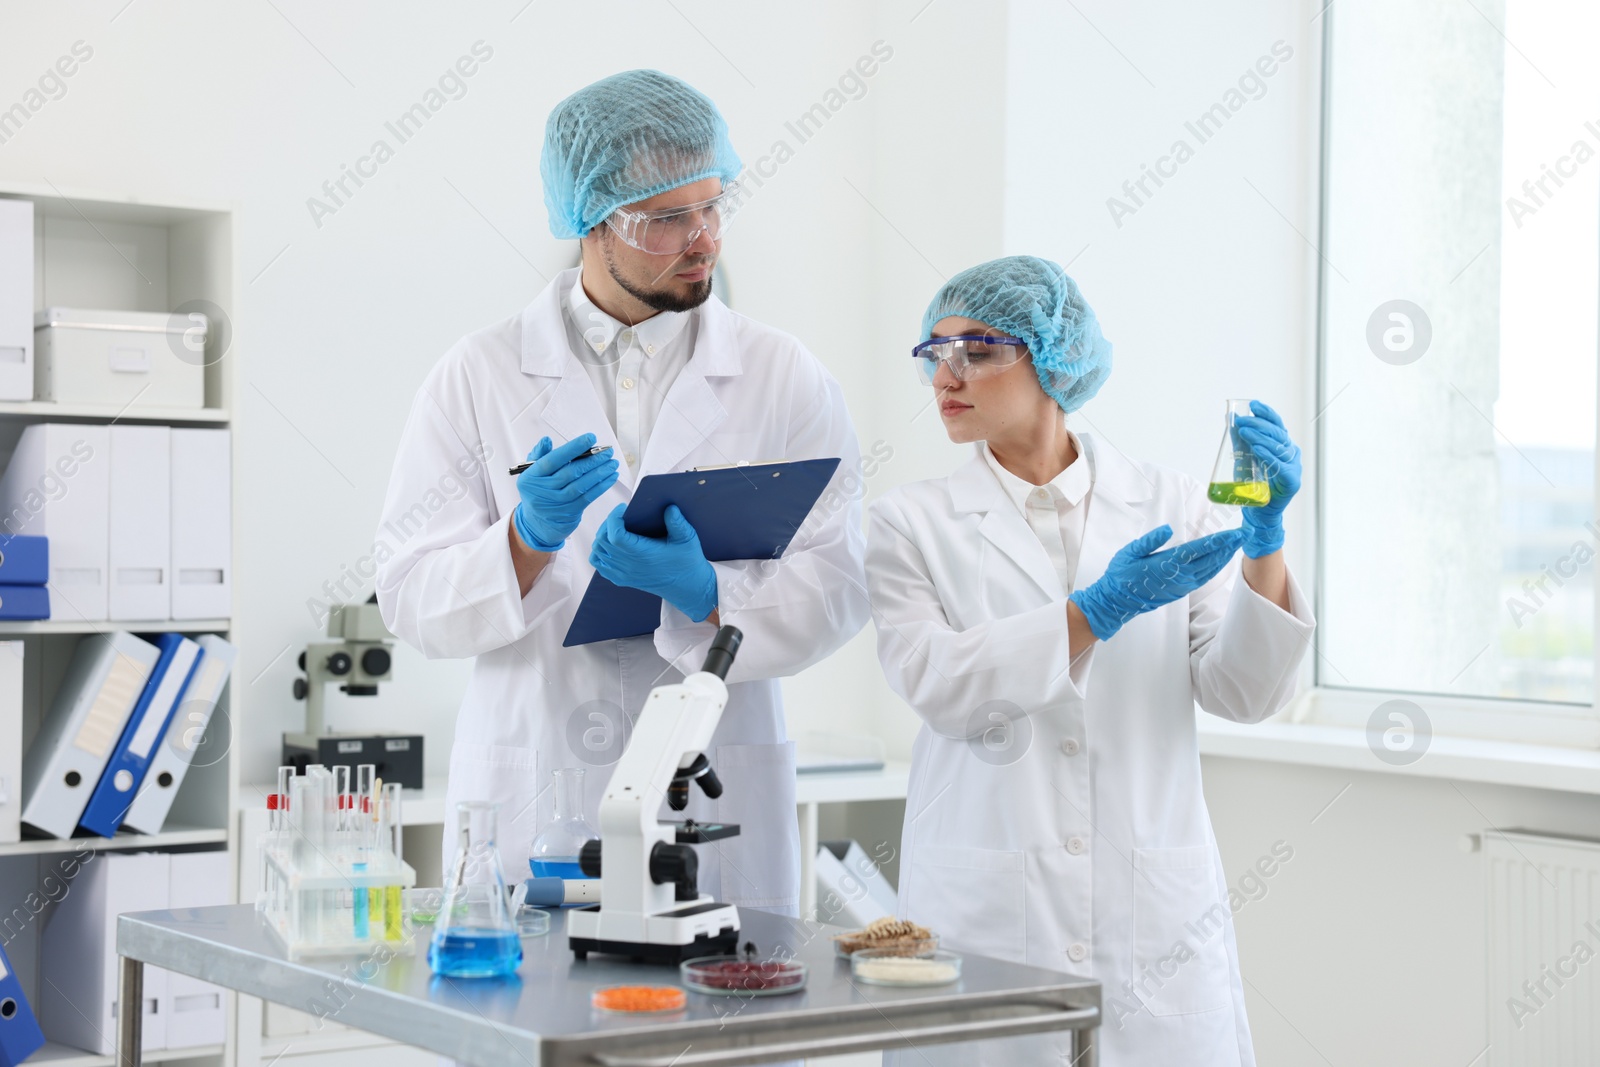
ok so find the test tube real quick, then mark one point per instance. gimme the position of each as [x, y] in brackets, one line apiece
[341, 777]
[265, 887]
[391, 800]
[359, 818]
[389, 838]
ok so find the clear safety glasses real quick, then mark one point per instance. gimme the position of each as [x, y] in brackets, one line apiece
[668, 231]
[969, 357]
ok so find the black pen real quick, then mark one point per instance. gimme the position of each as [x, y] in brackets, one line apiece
[595, 451]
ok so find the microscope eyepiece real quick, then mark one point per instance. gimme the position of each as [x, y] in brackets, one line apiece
[724, 647]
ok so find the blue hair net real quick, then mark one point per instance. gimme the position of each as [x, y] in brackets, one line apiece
[1033, 299]
[624, 139]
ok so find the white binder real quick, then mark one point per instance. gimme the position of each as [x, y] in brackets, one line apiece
[78, 953]
[194, 1009]
[202, 526]
[10, 740]
[184, 736]
[16, 300]
[57, 485]
[140, 548]
[102, 684]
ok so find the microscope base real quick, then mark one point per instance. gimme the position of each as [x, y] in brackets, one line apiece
[704, 929]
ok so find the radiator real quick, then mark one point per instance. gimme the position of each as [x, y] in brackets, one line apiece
[1543, 926]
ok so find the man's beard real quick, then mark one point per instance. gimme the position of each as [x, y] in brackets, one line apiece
[661, 299]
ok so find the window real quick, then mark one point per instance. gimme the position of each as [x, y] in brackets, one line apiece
[1458, 391]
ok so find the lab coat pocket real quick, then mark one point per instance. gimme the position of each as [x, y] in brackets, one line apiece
[507, 775]
[973, 898]
[1180, 926]
[761, 866]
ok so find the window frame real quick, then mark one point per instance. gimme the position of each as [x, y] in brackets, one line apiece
[1451, 715]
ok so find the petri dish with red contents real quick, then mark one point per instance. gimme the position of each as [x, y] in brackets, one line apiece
[731, 976]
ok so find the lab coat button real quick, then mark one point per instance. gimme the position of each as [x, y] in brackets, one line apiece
[1070, 746]
[1077, 952]
[1075, 845]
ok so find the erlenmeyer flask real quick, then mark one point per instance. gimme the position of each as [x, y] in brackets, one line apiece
[555, 848]
[1238, 476]
[474, 937]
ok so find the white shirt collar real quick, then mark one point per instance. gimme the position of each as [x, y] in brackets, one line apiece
[1071, 485]
[599, 329]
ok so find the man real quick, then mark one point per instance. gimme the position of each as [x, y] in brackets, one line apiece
[629, 351]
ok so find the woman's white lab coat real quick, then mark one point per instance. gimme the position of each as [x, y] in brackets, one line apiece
[1055, 814]
[448, 588]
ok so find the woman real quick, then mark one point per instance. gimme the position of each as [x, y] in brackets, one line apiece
[1027, 612]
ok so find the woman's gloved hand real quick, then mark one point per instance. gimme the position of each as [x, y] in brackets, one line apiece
[1139, 579]
[1263, 526]
[557, 488]
[673, 567]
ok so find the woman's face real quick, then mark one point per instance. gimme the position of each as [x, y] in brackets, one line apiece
[997, 407]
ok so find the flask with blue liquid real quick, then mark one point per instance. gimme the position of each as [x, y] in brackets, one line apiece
[555, 848]
[474, 935]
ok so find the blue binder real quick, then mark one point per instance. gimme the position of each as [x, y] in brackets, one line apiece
[119, 782]
[24, 601]
[20, 1036]
[24, 559]
[750, 511]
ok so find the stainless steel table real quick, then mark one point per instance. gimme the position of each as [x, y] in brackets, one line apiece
[543, 1017]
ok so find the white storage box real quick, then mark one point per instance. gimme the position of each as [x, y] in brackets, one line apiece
[16, 299]
[138, 358]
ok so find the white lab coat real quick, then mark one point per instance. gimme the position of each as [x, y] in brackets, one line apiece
[749, 392]
[1055, 815]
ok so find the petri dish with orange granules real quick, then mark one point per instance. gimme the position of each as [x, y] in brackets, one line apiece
[639, 999]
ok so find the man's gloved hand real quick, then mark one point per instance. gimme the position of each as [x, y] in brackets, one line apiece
[1139, 579]
[557, 488]
[1263, 526]
[672, 567]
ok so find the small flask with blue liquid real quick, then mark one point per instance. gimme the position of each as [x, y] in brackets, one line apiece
[474, 935]
[555, 848]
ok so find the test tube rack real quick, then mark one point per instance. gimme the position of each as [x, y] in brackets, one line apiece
[333, 879]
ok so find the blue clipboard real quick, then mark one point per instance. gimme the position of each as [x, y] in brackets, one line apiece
[750, 511]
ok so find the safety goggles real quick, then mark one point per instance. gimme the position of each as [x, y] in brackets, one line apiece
[668, 231]
[969, 357]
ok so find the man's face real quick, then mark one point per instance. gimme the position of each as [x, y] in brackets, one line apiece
[674, 282]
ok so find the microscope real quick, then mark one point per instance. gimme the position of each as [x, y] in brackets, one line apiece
[358, 656]
[652, 908]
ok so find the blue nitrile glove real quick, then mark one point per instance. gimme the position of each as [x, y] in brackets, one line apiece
[1139, 579]
[556, 489]
[672, 567]
[1280, 457]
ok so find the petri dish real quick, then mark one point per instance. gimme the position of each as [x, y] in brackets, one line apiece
[846, 946]
[531, 922]
[639, 999]
[729, 976]
[877, 967]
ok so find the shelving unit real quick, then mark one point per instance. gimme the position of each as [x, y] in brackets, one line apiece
[93, 250]
[47, 411]
[55, 1055]
[72, 626]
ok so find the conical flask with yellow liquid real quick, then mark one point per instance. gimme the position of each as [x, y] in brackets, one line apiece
[1238, 477]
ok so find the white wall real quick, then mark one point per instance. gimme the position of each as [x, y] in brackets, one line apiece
[338, 323]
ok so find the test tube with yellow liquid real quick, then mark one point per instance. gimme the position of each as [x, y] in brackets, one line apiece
[1238, 477]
